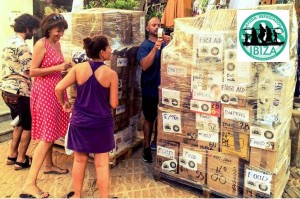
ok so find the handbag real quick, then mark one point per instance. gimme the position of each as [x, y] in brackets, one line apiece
[10, 98]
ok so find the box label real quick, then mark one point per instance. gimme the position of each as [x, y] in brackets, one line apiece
[120, 109]
[166, 152]
[171, 122]
[121, 62]
[262, 138]
[192, 155]
[207, 123]
[258, 181]
[171, 97]
[211, 108]
[176, 71]
[236, 114]
[208, 136]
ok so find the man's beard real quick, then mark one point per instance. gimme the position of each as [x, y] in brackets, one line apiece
[29, 35]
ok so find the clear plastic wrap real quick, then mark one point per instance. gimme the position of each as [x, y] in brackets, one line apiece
[222, 124]
[125, 30]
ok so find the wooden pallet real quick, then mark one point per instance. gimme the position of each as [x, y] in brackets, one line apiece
[136, 144]
[292, 189]
[188, 185]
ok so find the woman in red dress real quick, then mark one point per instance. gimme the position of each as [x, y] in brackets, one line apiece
[49, 121]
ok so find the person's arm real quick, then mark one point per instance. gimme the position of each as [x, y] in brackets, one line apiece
[147, 61]
[114, 98]
[39, 52]
[67, 81]
[25, 59]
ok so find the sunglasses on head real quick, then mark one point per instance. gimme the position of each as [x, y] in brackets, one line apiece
[56, 17]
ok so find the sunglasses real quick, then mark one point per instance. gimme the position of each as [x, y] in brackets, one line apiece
[56, 17]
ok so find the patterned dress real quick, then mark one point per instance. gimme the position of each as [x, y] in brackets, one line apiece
[49, 121]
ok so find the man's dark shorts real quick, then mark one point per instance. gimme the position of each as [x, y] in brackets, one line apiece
[21, 108]
[149, 105]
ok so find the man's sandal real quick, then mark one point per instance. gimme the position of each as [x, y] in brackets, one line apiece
[23, 165]
[11, 161]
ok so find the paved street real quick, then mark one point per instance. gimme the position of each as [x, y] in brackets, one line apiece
[131, 178]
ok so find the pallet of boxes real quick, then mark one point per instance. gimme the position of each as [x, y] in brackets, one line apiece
[223, 125]
[125, 31]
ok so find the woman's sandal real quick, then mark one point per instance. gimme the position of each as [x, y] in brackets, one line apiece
[70, 194]
[23, 165]
[59, 171]
[40, 195]
[11, 161]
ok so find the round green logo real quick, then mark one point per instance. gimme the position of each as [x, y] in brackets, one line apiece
[263, 36]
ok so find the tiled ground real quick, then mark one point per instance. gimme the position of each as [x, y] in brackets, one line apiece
[131, 178]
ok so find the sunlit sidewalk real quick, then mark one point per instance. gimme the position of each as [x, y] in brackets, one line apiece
[131, 178]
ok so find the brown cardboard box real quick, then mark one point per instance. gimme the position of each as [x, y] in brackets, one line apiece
[206, 84]
[171, 124]
[121, 115]
[175, 75]
[238, 94]
[270, 160]
[259, 183]
[122, 27]
[173, 98]
[269, 138]
[235, 144]
[237, 126]
[223, 173]
[167, 156]
[188, 133]
[192, 163]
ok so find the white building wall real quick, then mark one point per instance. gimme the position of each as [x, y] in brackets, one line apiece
[8, 10]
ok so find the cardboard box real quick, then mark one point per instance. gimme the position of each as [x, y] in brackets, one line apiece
[122, 27]
[237, 126]
[175, 75]
[269, 138]
[270, 160]
[189, 134]
[238, 94]
[173, 98]
[208, 52]
[223, 173]
[239, 73]
[235, 144]
[259, 183]
[192, 163]
[167, 156]
[121, 115]
[123, 140]
[206, 85]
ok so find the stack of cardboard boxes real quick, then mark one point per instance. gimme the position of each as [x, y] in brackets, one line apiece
[224, 124]
[125, 30]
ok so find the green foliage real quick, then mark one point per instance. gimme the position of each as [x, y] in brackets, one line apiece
[155, 11]
[118, 4]
[124, 4]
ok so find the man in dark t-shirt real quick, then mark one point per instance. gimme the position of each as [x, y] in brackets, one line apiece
[149, 56]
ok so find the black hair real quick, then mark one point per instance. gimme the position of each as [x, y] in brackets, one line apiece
[52, 21]
[24, 22]
[94, 45]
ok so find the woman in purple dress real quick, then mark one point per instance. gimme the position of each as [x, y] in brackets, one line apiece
[91, 125]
